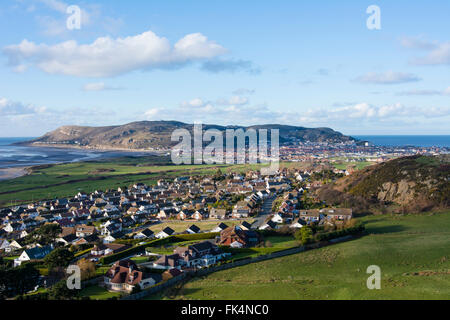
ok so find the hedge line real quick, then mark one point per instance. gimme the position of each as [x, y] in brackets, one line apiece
[157, 242]
[340, 233]
[80, 253]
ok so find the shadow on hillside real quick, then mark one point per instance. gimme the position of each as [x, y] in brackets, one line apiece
[385, 229]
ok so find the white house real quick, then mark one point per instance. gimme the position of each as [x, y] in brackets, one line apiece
[35, 253]
[277, 218]
[298, 224]
[268, 226]
[222, 226]
[167, 232]
[193, 229]
[144, 234]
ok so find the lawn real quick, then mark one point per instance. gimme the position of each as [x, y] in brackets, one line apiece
[358, 165]
[412, 252]
[97, 293]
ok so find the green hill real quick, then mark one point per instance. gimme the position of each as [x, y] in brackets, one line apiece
[408, 184]
[157, 135]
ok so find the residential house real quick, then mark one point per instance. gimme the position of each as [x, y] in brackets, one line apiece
[235, 237]
[125, 275]
[144, 234]
[36, 253]
[167, 232]
[193, 229]
[201, 254]
[222, 226]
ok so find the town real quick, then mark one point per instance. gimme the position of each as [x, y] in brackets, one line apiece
[136, 237]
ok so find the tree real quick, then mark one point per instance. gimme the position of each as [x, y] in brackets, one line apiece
[87, 268]
[304, 235]
[46, 234]
[60, 291]
[17, 281]
[60, 257]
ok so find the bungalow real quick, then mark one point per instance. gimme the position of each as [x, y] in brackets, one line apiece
[10, 246]
[67, 240]
[185, 214]
[241, 210]
[218, 214]
[144, 234]
[201, 254]
[113, 237]
[171, 273]
[200, 215]
[84, 230]
[222, 226]
[340, 214]
[269, 225]
[106, 249]
[167, 232]
[193, 229]
[235, 237]
[35, 253]
[298, 224]
[312, 215]
[14, 226]
[125, 275]
[245, 226]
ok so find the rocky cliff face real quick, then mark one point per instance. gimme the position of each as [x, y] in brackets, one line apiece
[416, 183]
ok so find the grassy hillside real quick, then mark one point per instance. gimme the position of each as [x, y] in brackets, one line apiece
[413, 184]
[412, 252]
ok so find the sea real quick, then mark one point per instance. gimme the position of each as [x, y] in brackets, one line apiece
[408, 140]
[23, 156]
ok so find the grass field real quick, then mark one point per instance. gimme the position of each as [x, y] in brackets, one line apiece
[64, 180]
[357, 165]
[412, 251]
[98, 293]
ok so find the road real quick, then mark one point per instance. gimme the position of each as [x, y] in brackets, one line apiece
[266, 211]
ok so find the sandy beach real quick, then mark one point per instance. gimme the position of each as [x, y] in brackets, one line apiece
[11, 173]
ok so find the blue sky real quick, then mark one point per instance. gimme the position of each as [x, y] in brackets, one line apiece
[303, 63]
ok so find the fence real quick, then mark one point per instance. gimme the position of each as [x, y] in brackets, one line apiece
[229, 265]
[156, 288]
[202, 272]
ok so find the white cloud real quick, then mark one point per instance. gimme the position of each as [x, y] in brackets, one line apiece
[438, 53]
[424, 92]
[233, 101]
[12, 108]
[348, 115]
[107, 57]
[99, 86]
[243, 91]
[389, 77]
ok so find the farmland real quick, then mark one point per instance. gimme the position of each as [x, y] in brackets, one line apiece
[65, 180]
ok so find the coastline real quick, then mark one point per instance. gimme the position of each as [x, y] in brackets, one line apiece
[94, 148]
[14, 172]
